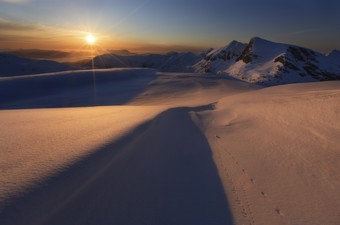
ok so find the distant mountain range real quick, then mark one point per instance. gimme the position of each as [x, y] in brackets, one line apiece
[171, 62]
[46, 54]
[11, 65]
[260, 61]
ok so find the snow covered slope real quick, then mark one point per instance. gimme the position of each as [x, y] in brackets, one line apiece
[220, 59]
[171, 62]
[167, 148]
[278, 153]
[334, 57]
[271, 63]
[184, 149]
[11, 65]
[268, 62]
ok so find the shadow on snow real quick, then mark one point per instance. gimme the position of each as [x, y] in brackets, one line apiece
[160, 173]
[74, 88]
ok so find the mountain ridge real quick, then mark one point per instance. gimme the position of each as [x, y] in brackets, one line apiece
[269, 63]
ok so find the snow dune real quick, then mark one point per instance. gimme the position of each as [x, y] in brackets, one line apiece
[176, 149]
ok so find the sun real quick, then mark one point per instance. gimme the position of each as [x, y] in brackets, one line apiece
[90, 39]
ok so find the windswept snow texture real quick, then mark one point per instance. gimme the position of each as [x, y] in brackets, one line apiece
[268, 63]
[181, 149]
[280, 152]
[11, 65]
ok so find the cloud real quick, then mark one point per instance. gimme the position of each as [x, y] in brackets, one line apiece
[16, 34]
[16, 28]
[7, 25]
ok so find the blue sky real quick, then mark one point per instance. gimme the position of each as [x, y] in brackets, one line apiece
[162, 25]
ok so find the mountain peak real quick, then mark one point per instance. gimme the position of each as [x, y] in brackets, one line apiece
[262, 43]
[259, 39]
[231, 47]
[222, 56]
[234, 42]
[335, 53]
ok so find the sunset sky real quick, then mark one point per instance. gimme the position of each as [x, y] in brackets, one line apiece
[165, 25]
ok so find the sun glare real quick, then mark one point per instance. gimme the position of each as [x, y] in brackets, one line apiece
[90, 39]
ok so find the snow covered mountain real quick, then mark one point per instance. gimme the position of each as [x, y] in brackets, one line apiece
[11, 65]
[260, 61]
[171, 62]
[334, 57]
[271, 63]
[220, 59]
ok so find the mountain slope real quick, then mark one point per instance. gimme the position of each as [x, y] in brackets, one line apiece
[334, 57]
[271, 63]
[11, 65]
[220, 59]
